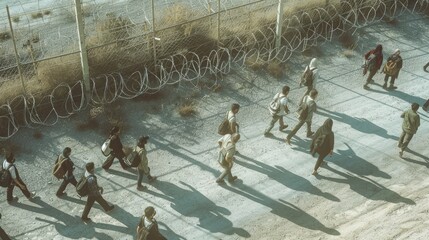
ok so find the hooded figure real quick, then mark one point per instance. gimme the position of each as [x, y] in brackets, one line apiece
[373, 62]
[323, 143]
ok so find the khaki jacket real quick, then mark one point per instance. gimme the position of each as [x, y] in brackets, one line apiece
[411, 121]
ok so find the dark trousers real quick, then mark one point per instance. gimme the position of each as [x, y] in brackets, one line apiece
[3, 235]
[12, 186]
[319, 161]
[371, 75]
[64, 184]
[90, 201]
[298, 126]
[392, 79]
[404, 140]
[140, 174]
[109, 161]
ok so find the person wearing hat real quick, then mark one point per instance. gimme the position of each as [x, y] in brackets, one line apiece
[117, 150]
[148, 226]
[392, 68]
[9, 164]
[94, 193]
[143, 168]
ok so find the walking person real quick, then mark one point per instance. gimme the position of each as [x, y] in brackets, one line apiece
[117, 150]
[94, 193]
[373, 62]
[226, 156]
[143, 168]
[392, 68]
[323, 143]
[307, 107]
[409, 127]
[148, 226]
[9, 164]
[69, 166]
[235, 107]
[309, 77]
[278, 107]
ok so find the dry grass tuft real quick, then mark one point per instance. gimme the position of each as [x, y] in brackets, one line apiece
[66, 69]
[114, 28]
[15, 19]
[255, 63]
[275, 68]
[47, 12]
[36, 15]
[5, 35]
[187, 109]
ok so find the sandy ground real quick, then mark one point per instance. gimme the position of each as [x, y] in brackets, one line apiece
[365, 192]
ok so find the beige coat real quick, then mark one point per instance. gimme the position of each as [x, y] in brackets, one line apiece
[144, 161]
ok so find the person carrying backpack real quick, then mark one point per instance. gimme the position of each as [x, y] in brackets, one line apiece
[323, 143]
[94, 193]
[226, 156]
[307, 107]
[147, 229]
[69, 167]
[373, 62]
[9, 165]
[392, 68]
[309, 77]
[143, 168]
[117, 150]
[277, 106]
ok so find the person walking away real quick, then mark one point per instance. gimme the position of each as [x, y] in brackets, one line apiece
[69, 166]
[373, 62]
[148, 226]
[309, 77]
[143, 168]
[9, 164]
[235, 107]
[309, 106]
[391, 69]
[94, 193]
[226, 156]
[117, 150]
[410, 125]
[323, 143]
[277, 106]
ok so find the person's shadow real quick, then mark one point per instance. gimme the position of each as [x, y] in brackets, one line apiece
[408, 159]
[285, 177]
[191, 203]
[360, 124]
[351, 162]
[367, 187]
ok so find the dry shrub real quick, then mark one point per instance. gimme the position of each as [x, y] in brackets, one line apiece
[5, 35]
[255, 63]
[65, 69]
[15, 19]
[36, 15]
[114, 28]
[88, 10]
[187, 109]
[275, 68]
[37, 134]
[47, 12]
[176, 14]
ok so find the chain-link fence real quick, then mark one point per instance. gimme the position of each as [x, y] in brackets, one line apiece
[134, 47]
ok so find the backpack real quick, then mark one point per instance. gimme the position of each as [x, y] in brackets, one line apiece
[224, 127]
[5, 176]
[390, 68]
[142, 231]
[275, 104]
[307, 77]
[82, 186]
[59, 169]
[134, 158]
[105, 148]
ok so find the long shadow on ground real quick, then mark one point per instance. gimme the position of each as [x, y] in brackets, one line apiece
[281, 208]
[285, 177]
[367, 187]
[351, 162]
[191, 203]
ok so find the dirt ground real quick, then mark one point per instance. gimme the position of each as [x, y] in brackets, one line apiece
[365, 192]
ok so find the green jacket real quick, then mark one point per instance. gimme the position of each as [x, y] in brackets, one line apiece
[411, 121]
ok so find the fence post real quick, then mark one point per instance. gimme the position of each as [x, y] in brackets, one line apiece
[218, 23]
[18, 63]
[153, 31]
[279, 25]
[83, 50]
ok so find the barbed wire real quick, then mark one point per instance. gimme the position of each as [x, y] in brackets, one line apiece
[302, 29]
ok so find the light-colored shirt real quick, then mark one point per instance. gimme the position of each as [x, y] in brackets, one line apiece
[228, 147]
[12, 169]
[144, 163]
